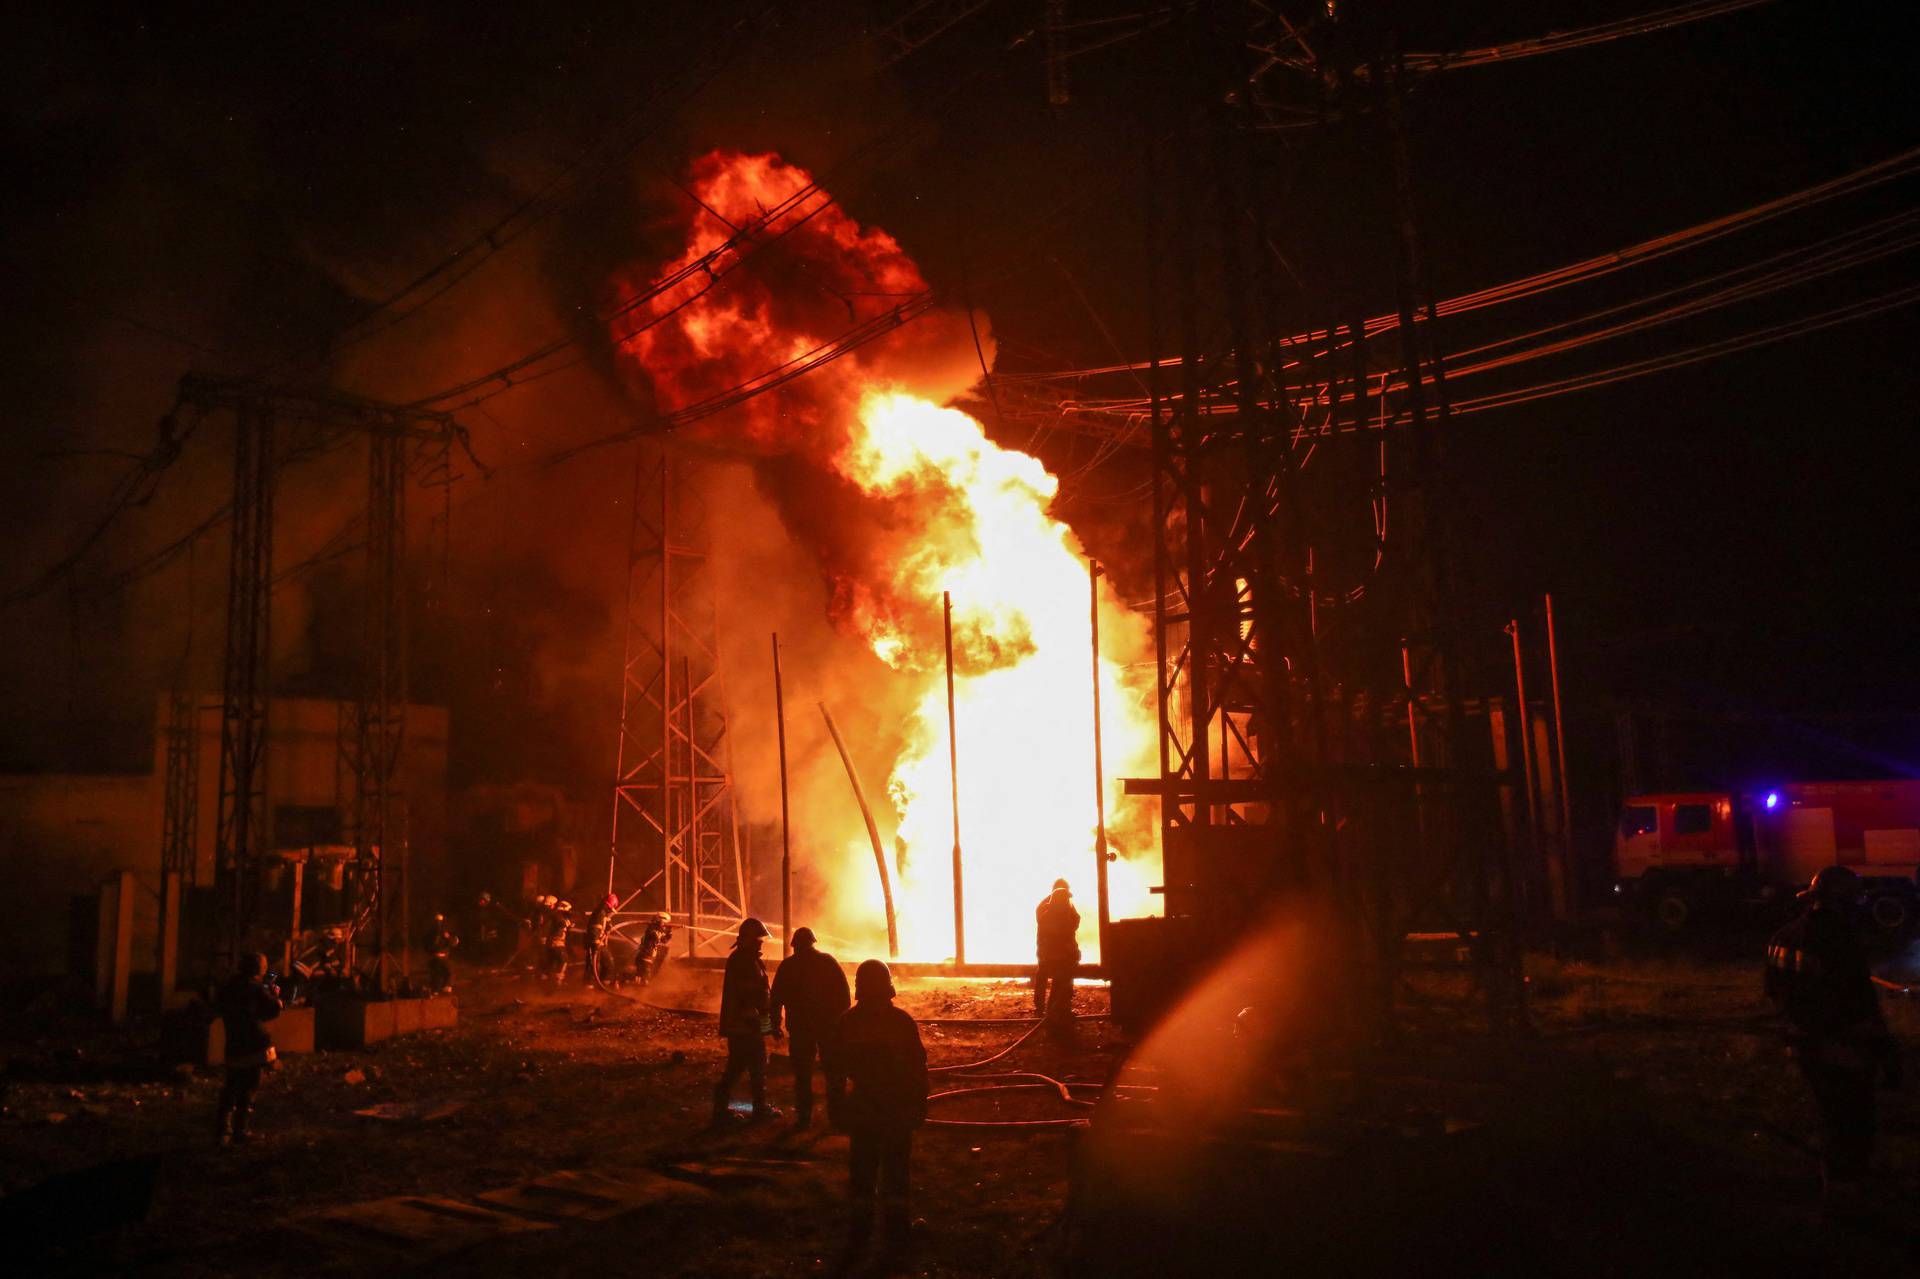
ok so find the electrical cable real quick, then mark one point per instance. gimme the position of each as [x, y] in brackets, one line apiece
[583, 174]
[1552, 42]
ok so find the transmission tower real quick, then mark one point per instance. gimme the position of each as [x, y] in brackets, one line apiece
[273, 427]
[675, 837]
[1311, 735]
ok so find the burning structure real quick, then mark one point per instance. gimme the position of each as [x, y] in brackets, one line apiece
[902, 502]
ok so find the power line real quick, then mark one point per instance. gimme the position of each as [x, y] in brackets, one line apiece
[582, 175]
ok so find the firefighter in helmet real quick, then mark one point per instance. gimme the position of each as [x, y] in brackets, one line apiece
[652, 954]
[1057, 952]
[441, 943]
[599, 940]
[745, 1023]
[809, 994]
[1817, 975]
[559, 924]
[875, 1046]
[246, 1003]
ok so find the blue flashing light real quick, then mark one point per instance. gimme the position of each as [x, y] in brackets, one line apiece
[1773, 800]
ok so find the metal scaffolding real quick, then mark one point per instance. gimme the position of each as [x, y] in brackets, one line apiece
[675, 840]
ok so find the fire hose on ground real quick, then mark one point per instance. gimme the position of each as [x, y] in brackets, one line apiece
[1014, 1081]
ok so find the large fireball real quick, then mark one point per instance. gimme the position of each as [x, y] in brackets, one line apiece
[957, 513]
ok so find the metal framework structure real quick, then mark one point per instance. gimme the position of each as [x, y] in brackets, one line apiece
[675, 841]
[377, 816]
[245, 817]
[1311, 738]
[180, 814]
[273, 427]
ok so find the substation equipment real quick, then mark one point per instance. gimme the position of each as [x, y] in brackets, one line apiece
[676, 840]
[1313, 730]
[254, 901]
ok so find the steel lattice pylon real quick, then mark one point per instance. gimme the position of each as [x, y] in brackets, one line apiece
[373, 732]
[1281, 773]
[179, 822]
[675, 841]
[244, 832]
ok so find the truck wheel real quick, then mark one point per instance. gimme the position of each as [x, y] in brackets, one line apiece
[1891, 913]
[1672, 911]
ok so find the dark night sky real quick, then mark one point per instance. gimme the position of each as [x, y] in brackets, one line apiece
[1734, 535]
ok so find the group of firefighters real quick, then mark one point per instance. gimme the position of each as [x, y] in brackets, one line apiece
[542, 934]
[867, 1048]
[875, 1066]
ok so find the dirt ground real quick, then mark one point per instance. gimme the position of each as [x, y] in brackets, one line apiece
[537, 1081]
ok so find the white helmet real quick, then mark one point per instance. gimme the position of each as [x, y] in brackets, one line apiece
[565, 908]
[663, 918]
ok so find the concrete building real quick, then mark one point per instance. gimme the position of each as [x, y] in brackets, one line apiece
[62, 835]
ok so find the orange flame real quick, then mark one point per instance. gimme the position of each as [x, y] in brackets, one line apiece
[966, 516]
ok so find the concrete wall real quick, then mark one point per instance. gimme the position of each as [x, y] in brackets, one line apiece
[61, 835]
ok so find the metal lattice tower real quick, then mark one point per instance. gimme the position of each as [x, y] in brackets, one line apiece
[675, 841]
[373, 732]
[180, 814]
[244, 833]
[377, 721]
[1280, 767]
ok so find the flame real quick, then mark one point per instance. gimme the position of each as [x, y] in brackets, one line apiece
[1023, 688]
[958, 514]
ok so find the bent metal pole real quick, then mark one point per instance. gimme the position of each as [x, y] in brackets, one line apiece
[786, 843]
[873, 832]
[953, 774]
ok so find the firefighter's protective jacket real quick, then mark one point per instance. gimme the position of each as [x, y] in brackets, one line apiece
[877, 1047]
[811, 992]
[743, 993]
[245, 1006]
[1057, 930]
[1818, 976]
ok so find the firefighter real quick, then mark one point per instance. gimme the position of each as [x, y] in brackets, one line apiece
[441, 943]
[534, 922]
[876, 1048]
[809, 994]
[600, 938]
[489, 936]
[1057, 950]
[744, 1023]
[558, 924]
[652, 954]
[248, 1000]
[1817, 974]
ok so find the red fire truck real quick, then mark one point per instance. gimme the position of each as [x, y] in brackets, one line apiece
[1681, 855]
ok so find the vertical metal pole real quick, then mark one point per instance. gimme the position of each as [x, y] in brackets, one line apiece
[690, 837]
[953, 774]
[1526, 745]
[666, 695]
[1099, 759]
[1413, 722]
[786, 841]
[1560, 756]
